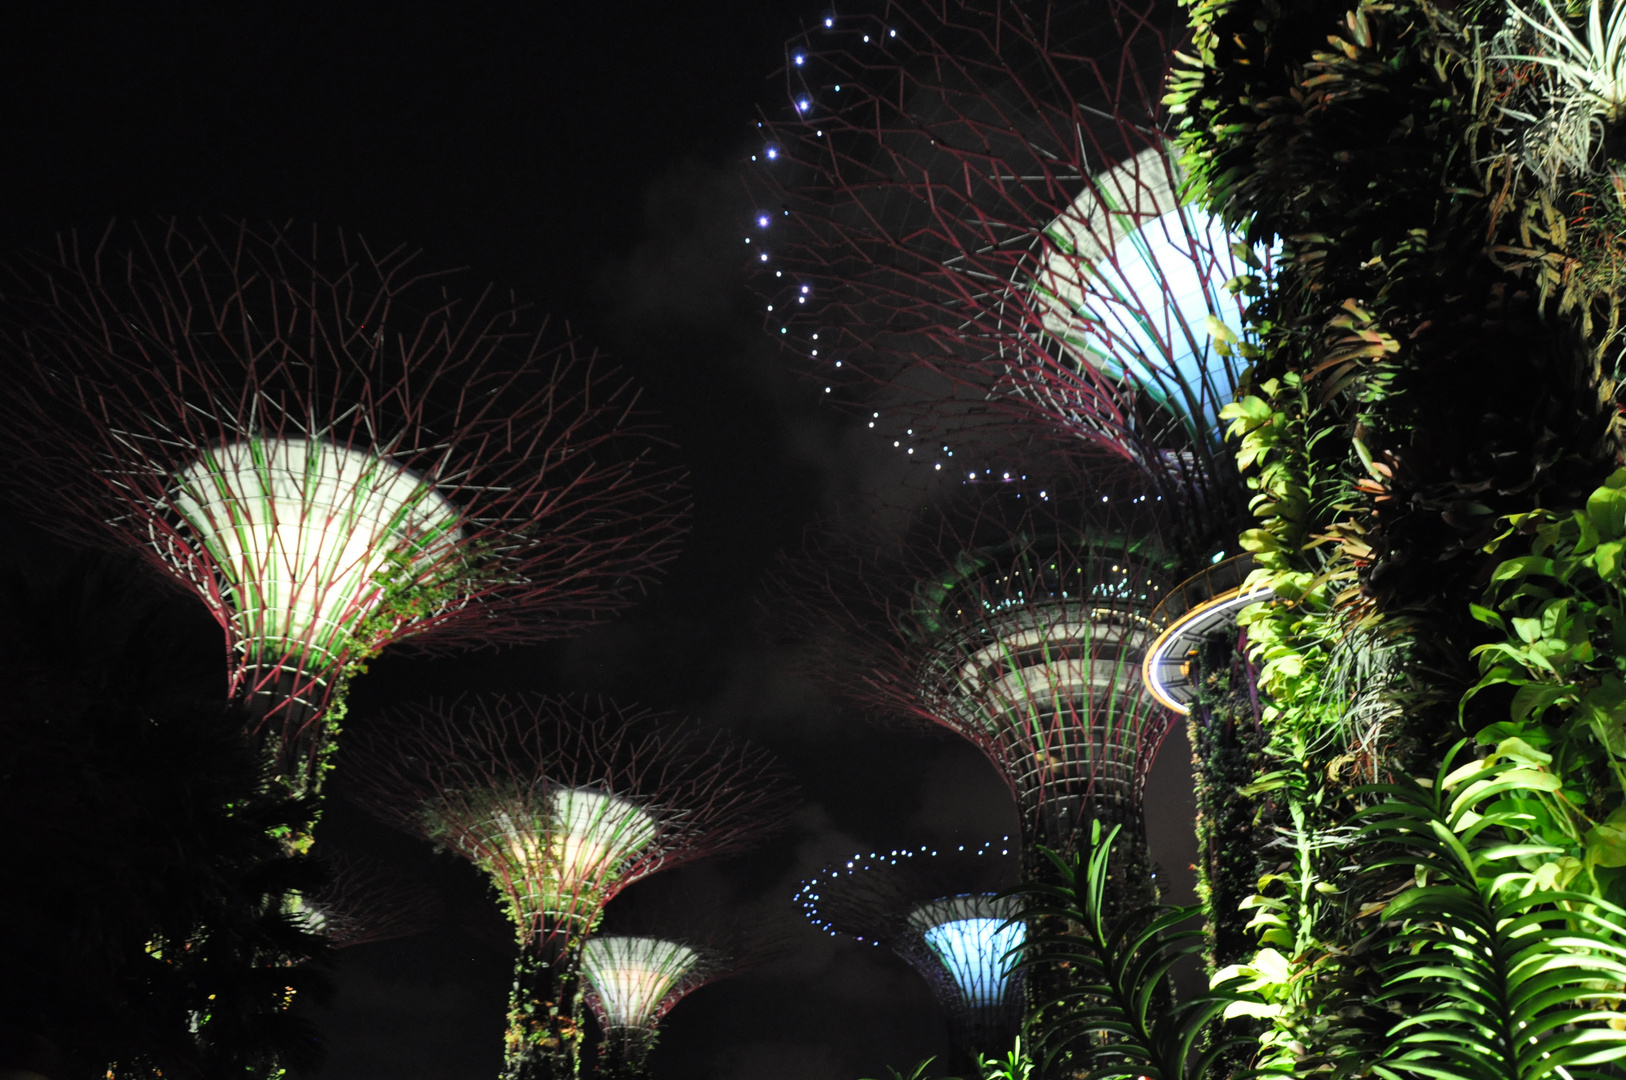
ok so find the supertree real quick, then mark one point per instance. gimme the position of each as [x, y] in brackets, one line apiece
[1017, 623]
[563, 803]
[632, 983]
[330, 447]
[635, 979]
[938, 909]
[363, 900]
[970, 205]
[971, 209]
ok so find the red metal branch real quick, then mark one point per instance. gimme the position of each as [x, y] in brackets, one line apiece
[565, 802]
[329, 445]
[365, 901]
[968, 207]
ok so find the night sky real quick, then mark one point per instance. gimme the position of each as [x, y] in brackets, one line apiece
[587, 157]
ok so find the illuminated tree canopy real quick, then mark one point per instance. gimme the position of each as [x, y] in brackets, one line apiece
[563, 803]
[1017, 624]
[967, 207]
[936, 908]
[330, 446]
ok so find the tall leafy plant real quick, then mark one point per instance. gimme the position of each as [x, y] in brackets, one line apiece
[1113, 1018]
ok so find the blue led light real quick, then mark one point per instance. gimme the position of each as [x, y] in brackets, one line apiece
[974, 953]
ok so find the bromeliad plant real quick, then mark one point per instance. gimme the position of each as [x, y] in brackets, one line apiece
[1586, 90]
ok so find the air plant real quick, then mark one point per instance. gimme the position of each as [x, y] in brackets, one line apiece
[1587, 91]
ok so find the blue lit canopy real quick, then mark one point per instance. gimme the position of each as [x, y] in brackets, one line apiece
[971, 938]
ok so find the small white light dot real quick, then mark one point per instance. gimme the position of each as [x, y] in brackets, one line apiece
[866, 37]
[763, 221]
[815, 352]
[826, 389]
[799, 59]
[773, 154]
[770, 307]
[829, 22]
[764, 256]
[893, 33]
[801, 299]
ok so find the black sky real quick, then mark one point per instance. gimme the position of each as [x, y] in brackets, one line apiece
[582, 155]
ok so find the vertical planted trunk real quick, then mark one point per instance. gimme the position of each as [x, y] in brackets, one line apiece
[544, 1014]
[625, 1052]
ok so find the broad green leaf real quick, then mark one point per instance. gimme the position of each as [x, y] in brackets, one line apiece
[1606, 844]
[1606, 508]
[1517, 750]
[1522, 566]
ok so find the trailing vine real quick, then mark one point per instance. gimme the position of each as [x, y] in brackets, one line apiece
[1435, 354]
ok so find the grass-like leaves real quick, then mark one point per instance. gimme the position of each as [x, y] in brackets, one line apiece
[1497, 977]
[1115, 1015]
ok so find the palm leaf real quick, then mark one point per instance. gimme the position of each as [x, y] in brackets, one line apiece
[1111, 1014]
[1496, 977]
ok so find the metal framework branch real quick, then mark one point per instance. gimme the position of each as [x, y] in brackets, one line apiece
[968, 207]
[329, 446]
[563, 803]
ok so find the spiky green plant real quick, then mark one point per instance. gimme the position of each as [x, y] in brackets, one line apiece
[1112, 1018]
[1594, 69]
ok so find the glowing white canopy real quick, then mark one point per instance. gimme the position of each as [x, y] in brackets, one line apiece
[970, 938]
[633, 975]
[568, 860]
[1130, 278]
[311, 537]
